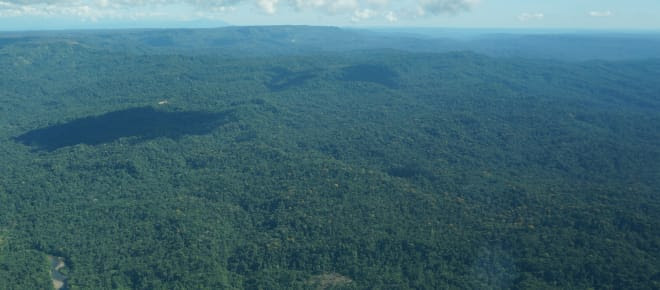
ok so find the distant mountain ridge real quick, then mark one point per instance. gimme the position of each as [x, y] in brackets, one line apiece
[297, 40]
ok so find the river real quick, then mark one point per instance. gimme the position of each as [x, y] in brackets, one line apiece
[59, 279]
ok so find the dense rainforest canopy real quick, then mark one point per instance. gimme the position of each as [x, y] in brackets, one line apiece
[146, 160]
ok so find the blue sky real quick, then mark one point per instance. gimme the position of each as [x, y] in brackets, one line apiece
[580, 14]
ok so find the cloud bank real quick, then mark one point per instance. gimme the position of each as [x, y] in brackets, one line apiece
[355, 10]
[600, 13]
[529, 16]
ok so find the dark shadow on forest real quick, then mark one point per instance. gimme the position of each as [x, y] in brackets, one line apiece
[144, 123]
[410, 171]
[283, 78]
[378, 74]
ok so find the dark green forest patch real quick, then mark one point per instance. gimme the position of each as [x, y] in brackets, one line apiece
[159, 41]
[283, 78]
[11, 40]
[144, 123]
[378, 74]
[224, 42]
[410, 171]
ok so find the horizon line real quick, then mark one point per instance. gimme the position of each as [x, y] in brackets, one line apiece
[355, 27]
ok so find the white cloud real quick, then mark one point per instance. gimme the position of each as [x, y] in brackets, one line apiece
[77, 9]
[93, 10]
[527, 16]
[362, 14]
[436, 7]
[369, 14]
[378, 3]
[268, 6]
[327, 6]
[356, 10]
[391, 16]
[600, 13]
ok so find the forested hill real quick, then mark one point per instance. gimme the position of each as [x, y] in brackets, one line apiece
[251, 41]
[145, 168]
